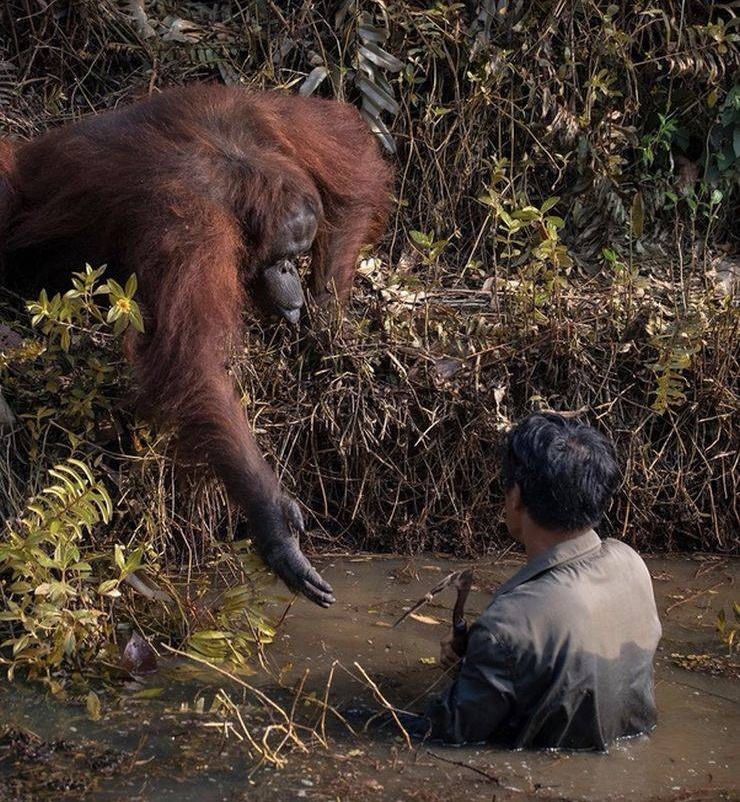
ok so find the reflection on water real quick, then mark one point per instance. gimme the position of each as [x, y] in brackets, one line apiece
[147, 749]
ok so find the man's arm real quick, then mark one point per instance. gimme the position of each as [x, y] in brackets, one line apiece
[482, 696]
[452, 649]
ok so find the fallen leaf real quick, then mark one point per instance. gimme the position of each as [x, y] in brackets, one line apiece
[148, 693]
[93, 706]
[428, 661]
[425, 619]
[447, 368]
[138, 656]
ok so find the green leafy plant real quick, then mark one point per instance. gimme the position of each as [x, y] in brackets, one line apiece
[61, 316]
[530, 233]
[52, 599]
[72, 374]
[677, 342]
[428, 246]
[237, 623]
[529, 240]
[658, 143]
[63, 558]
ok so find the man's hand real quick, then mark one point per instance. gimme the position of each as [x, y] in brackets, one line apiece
[448, 657]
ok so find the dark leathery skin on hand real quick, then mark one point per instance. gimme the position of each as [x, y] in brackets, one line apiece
[279, 548]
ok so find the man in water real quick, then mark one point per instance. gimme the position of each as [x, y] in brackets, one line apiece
[563, 655]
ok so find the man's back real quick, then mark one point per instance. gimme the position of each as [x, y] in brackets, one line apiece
[563, 655]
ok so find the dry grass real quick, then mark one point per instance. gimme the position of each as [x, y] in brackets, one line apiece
[390, 436]
[386, 425]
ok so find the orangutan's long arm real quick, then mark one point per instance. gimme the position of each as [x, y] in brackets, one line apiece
[187, 261]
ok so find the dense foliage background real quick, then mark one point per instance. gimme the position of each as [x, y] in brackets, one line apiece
[564, 237]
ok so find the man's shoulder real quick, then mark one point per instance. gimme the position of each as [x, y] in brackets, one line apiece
[620, 547]
[621, 553]
[509, 612]
[511, 617]
[567, 593]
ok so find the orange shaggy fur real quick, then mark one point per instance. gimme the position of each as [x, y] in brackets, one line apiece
[186, 190]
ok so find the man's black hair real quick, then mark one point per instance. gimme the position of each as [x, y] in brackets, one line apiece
[566, 471]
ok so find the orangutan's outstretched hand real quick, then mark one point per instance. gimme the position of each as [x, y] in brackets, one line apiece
[278, 546]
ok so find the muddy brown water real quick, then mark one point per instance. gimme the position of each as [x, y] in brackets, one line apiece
[176, 747]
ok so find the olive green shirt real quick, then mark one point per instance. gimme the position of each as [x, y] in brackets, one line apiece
[563, 655]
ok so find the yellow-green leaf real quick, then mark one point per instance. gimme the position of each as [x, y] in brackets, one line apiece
[638, 215]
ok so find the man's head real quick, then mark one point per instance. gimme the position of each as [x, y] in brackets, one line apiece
[557, 472]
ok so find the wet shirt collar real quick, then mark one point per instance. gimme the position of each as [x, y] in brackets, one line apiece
[567, 551]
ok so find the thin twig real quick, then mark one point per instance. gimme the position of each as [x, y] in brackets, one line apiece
[696, 595]
[491, 777]
[388, 706]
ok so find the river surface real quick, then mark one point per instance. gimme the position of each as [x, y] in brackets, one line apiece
[193, 735]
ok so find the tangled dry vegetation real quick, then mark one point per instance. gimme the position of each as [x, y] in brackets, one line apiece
[563, 238]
